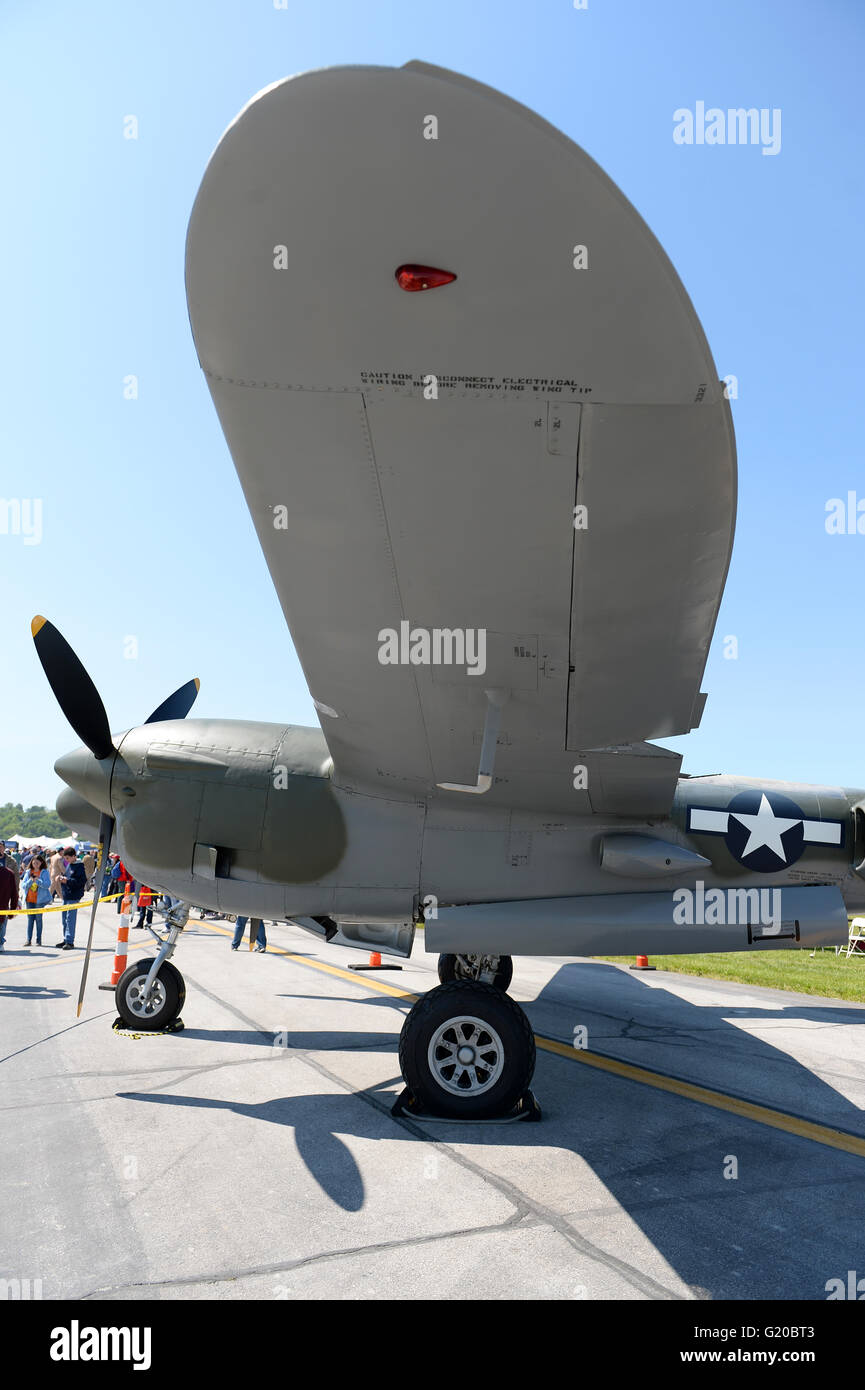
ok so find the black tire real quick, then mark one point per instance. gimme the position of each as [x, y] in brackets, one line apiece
[167, 1009]
[504, 1042]
[449, 969]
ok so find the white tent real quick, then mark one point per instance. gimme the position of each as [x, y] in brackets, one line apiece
[45, 841]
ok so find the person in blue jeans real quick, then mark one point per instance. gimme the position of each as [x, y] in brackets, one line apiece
[35, 892]
[261, 937]
[72, 884]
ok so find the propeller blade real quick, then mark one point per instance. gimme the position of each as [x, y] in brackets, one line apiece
[106, 829]
[178, 705]
[73, 689]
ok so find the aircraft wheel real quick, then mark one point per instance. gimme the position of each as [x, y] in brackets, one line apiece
[466, 1051]
[166, 998]
[489, 970]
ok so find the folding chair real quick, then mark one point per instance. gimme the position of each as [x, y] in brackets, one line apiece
[855, 940]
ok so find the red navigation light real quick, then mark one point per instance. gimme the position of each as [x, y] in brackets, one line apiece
[422, 277]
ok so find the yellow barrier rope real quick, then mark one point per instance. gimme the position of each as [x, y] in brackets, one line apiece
[64, 907]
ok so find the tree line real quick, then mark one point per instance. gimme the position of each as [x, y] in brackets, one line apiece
[36, 820]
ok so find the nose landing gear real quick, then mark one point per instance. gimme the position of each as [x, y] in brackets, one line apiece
[151, 993]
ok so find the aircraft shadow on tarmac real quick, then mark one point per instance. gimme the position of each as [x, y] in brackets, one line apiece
[368, 1000]
[327, 1041]
[786, 1225]
[32, 992]
[316, 1121]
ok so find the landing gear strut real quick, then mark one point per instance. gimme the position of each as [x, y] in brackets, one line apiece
[488, 970]
[467, 1051]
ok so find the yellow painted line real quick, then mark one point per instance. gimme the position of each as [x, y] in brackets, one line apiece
[350, 975]
[718, 1100]
[688, 1090]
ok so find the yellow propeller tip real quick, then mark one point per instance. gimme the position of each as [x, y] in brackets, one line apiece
[197, 683]
[37, 624]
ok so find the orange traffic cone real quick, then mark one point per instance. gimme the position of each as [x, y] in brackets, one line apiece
[642, 964]
[122, 948]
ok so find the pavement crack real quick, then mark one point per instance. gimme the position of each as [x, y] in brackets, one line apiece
[518, 1219]
[161, 1174]
[79, 1023]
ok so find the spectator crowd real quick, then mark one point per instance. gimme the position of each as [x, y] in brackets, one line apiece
[34, 878]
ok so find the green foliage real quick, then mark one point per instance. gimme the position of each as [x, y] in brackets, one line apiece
[36, 820]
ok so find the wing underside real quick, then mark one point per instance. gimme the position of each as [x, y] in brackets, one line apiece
[522, 482]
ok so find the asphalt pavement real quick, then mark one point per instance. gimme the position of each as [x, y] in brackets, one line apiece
[702, 1140]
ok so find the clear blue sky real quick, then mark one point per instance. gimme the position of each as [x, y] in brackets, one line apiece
[145, 529]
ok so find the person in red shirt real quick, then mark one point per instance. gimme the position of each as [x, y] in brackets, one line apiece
[122, 882]
[145, 905]
[8, 899]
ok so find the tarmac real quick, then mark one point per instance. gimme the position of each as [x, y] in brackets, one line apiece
[703, 1140]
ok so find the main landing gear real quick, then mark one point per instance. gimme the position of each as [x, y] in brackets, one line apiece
[467, 1052]
[151, 993]
[488, 970]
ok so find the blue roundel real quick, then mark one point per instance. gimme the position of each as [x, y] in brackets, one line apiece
[765, 831]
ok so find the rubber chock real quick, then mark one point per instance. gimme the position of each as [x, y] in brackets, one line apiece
[406, 1105]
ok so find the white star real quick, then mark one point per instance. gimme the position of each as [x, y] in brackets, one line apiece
[765, 829]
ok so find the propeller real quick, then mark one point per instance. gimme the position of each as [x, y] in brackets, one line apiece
[80, 701]
[178, 705]
[73, 689]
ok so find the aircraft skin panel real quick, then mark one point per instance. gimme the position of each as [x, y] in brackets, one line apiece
[475, 550]
[329, 554]
[658, 484]
[412, 458]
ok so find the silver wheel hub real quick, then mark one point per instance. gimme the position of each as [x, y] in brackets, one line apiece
[466, 1056]
[135, 1000]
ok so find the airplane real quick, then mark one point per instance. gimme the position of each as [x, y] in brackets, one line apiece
[492, 470]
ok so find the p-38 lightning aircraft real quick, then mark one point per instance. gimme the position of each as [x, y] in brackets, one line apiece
[492, 470]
